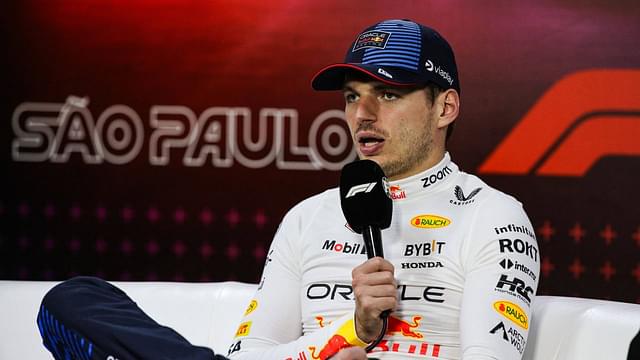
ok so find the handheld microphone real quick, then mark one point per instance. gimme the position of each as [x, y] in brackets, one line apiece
[365, 201]
[367, 206]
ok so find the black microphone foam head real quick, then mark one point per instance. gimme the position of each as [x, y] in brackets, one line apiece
[364, 195]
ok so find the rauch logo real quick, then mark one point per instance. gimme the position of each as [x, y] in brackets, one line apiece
[512, 312]
[430, 221]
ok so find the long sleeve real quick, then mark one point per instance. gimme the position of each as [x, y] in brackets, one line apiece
[501, 278]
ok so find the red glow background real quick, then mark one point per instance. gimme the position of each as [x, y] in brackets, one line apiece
[139, 221]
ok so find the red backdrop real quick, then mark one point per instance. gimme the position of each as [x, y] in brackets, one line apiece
[164, 140]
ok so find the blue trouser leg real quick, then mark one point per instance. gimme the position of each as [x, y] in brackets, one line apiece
[87, 318]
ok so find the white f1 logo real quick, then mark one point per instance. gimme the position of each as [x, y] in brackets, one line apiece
[365, 188]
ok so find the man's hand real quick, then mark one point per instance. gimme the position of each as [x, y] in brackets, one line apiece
[374, 287]
[352, 353]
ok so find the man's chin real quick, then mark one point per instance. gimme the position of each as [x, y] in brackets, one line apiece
[384, 164]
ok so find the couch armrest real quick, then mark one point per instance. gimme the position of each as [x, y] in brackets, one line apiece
[206, 314]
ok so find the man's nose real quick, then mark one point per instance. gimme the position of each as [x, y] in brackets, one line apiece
[367, 109]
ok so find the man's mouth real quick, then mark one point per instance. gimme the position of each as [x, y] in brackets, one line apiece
[370, 143]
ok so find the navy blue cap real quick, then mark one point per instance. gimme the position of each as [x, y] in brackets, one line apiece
[396, 52]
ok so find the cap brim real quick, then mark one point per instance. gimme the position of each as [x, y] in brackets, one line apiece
[332, 77]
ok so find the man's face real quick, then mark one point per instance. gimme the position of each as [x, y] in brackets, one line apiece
[392, 126]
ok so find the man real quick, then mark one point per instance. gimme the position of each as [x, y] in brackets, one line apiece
[462, 260]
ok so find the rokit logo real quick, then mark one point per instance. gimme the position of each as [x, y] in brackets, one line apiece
[437, 176]
[345, 248]
[507, 264]
[515, 287]
[462, 199]
[511, 335]
[519, 246]
[344, 292]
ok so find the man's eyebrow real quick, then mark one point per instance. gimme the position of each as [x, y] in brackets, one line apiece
[377, 87]
[385, 87]
[347, 88]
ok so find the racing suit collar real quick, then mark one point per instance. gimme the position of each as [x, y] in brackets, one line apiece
[427, 181]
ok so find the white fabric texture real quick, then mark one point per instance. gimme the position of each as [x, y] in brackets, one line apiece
[466, 261]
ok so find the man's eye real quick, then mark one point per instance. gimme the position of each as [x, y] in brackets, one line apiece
[350, 98]
[389, 96]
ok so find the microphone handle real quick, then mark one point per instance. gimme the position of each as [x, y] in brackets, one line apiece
[372, 241]
[373, 244]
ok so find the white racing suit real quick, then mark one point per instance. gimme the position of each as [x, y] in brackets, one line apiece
[466, 262]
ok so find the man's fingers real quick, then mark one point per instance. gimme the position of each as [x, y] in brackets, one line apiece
[373, 279]
[374, 307]
[374, 265]
[377, 291]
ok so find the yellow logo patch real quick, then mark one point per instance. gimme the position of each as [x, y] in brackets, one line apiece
[430, 221]
[512, 312]
[252, 306]
[243, 329]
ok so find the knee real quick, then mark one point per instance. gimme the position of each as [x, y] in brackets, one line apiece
[71, 295]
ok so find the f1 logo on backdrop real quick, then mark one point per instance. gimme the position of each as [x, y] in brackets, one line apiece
[582, 118]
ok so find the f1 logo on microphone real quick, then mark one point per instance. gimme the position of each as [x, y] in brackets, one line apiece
[362, 188]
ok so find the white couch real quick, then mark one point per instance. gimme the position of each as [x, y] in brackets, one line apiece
[208, 313]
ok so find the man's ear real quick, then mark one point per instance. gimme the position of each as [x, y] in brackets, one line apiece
[449, 107]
